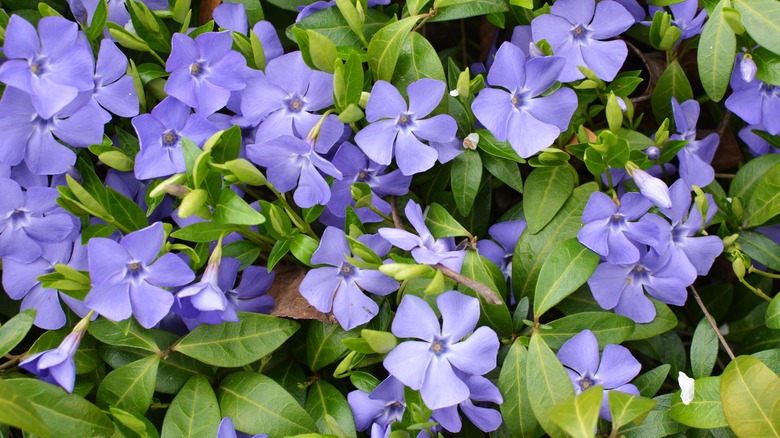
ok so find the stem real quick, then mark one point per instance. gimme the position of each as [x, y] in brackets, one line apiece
[712, 322]
[432, 13]
[382, 215]
[487, 293]
[157, 57]
[755, 290]
[394, 212]
[725, 175]
[753, 270]
[11, 362]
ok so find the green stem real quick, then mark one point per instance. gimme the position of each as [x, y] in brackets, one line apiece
[755, 290]
[753, 270]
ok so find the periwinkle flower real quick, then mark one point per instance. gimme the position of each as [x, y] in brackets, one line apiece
[425, 249]
[57, 366]
[383, 406]
[114, 90]
[518, 112]
[696, 156]
[575, 30]
[481, 390]
[52, 69]
[317, 6]
[232, 16]
[29, 220]
[429, 365]
[160, 133]
[609, 230]
[127, 280]
[747, 68]
[228, 430]
[506, 234]
[652, 188]
[396, 128]
[755, 102]
[339, 286]
[756, 144]
[204, 71]
[613, 370]
[685, 17]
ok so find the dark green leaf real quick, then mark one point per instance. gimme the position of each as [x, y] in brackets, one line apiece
[505, 170]
[232, 209]
[456, 9]
[751, 174]
[658, 422]
[548, 382]
[324, 343]
[609, 328]
[17, 411]
[716, 53]
[516, 408]
[760, 248]
[290, 375]
[331, 23]
[672, 83]
[465, 179]
[244, 251]
[568, 267]
[194, 411]
[479, 268]
[666, 348]
[15, 329]
[325, 400]
[546, 190]
[131, 386]
[764, 202]
[131, 424]
[704, 350]
[125, 211]
[500, 149]
[149, 27]
[127, 333]
[202, 232]
[664, 321]
[418, 59]
[650, 382]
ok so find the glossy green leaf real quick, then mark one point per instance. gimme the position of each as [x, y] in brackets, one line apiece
[658, 421]
[232, 344]
[664, 321]
[62, 411]
[760, 248]
[193, 412]
[479, 268]
[15, 329]
[418, 59]
[761, 19]
[772, 315]
[568, 266]
[505, 170]
[516, 408]
[202, 232]
[609, 328]
[132, 425]
[17, 411]
[705, 410]
[546, 190]
[672, 83]
[127, 333]
[131, 386]
[704, 349]
[650, 382]
[457, 9]
[465, 180]
[749, 393]
[716, 53]
[324, 343]
[322, 51]
[626, 408]
[292, 378]
[578, 416]
[257, 404]
[125, 211]
[764, 202]
[331, 23]
[385, 47]
[441, 223]
[500, 149]
[325, 400]
[548, 382]
[232, 209]
[751, 174]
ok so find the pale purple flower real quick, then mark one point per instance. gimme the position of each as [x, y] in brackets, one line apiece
[633, 7]
[339, 286]
[127, 280]
[756, 145]
[57, 366]
[228, 430]
[518, 112]
[383, 406]
[481, 390]
[747, 68]
[429, 365]
[685, 17]
[613, 370]
[424, 247]
[506, 234]
[755, 102]
[232, 16]
[696, 156]
[575, 30]
[654, 189]
[114, 90]
[317, 6]
[396, 128]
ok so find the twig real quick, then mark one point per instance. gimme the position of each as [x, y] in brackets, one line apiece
[487, 293]
[14, 360]
[394, 213]
[712, 322]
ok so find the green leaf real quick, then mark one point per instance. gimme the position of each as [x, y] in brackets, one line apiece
[325, 400]
[130, 424]
[548, 382]
[704, 349]
[751, 174]
[672, 83]
[609, 328]
[322, 51]
[479, 268]
[627, 408]
[569, 266]
[761, 19]
[717, 50]
[385, 47]
[149, 27]
[664, 321]
[17, 411]
[760, 248]
[324, 343]
[441, 223]
[578, 416]
[131, 386]
[202, 232]
[232, 209]
[194, 411]
[772, 316]
[418, 59]
[666, 348]
[532, 249]
[236, 344]
[457, 9]
[500, 149]
[504, 170]
[98, 21]
[546, 190]
[705, 410]
[330, 23]
[62, 411]
[767, 65]
[658, 422]
[302, 247]
[516, 408]
[748, 391]
[257, 404]
[764, 202]
[125, 211]
[15, 329]
[244, 251]
[127, 333]
[650, 382]
[465, 179]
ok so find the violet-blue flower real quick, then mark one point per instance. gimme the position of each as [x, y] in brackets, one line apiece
[114, 90]
[127, 280]
[613, 370]
[228, 430]
[57, 366]
[609, 230]
[481, 390]
[232, 16]
[429, 365]
[685, 17]
[204, 71]
[755, 102]
[317, 6]
[160, 134]
[506, 234]
[396, 128]
[52, 69]
[424, 247]
[383, 406]
[755, 143]
[652, 188]
[29, 220]
[696, 156]
[339, 286]
[518, 112]
[575, 30]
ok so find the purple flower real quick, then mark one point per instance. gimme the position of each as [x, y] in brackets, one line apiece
[636, 10]
[114, 90]
[747, 68]
[756, 144]
[204, 71]
[232, 16]
[575, 32]
[685, 17]
[339, 286]
[30, 138]
[29, 220]
[430, 365]
[481, 390]
[609, 230]
[317, 6]
[696, 156]
[127, 280]
[228, 430]
[651, 187]
[160, 134]
[519, 113]
[613, 370]
[285, 97]
[52, 69]
[755, 102]
[425, 249]
[57, 366]
[384, 406]
[506, 234]
[396, 129]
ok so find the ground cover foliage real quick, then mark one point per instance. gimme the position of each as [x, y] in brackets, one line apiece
[505, 218]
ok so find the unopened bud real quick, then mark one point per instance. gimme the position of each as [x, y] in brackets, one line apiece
[747, 68]
[651, 187]
[653, 153]
[471, 141]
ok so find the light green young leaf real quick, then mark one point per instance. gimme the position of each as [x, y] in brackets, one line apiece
[749, 393]
[17, 411]
[705, 410]
[441, 223]
[15, 329]
[385, 47]
[761, 19]
[548, 382]
[627, 408]
[578, 416]
[716, 53]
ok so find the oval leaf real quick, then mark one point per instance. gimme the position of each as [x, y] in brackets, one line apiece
[717, 50]
[548, 382]
[516, 408]
[704, 349]
[324, 400]
[569, 266]
[546, 190]
[705, 410]
[131, 386]
[748, 391]
[14, 330]
[194, 411]
[578, 416]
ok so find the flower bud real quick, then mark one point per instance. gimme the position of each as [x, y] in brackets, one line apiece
[686, 388]
[653, 153]
[747, 68]
[651, 187]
